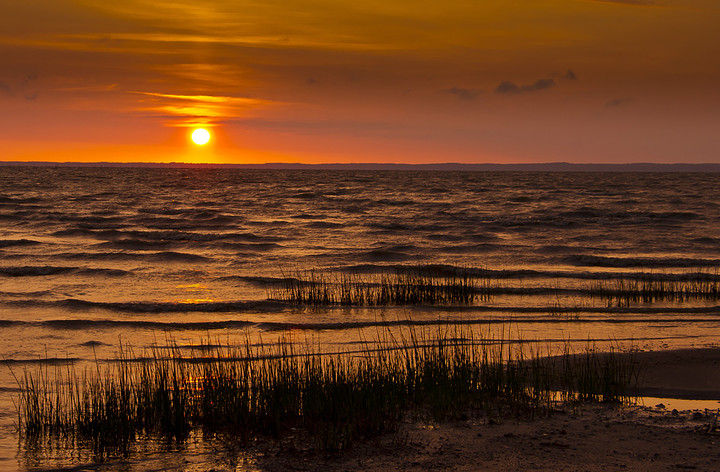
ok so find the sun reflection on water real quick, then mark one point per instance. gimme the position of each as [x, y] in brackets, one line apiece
[196, 288]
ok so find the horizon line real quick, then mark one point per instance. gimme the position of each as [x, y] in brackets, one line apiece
[447, 166]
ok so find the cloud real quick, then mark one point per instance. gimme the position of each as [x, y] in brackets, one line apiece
[540, 84]
[6, 90]
[507, 87]
[618, 102]
[464, 94]
[205, 98]
[188, 109]
[13, 92]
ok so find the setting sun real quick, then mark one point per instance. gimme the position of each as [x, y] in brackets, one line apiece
[200, 136]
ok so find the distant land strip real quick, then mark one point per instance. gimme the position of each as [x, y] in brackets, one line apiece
[449, 166]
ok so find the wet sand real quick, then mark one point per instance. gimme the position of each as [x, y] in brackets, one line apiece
[591, 439]
[685, 373]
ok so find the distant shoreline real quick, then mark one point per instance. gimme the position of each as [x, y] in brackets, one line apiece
[450, 166]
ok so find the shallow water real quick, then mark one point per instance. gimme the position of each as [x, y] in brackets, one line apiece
[679, 404]
[90, 257]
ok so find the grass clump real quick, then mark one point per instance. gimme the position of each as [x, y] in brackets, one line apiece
[651, 288]
[390, 288]
[286, 392]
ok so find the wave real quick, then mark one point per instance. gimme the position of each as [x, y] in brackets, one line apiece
[172, 235]
[307, 216]
[397, 247]
[599, 213]
[30, 271]
[589, 216]
[140, 324]
[251, 247]
[445, 237]
[41, 360]
[36, 294]
[472, 248]
[136, 244]
[306, 195]
[385, 255]
[555, 249]
[707, 240]
[134, 239]
[260, 280]
[93, 344]
[158, 307]
[94, 272]
[18, 242]
[390, 227]
[166, 256]
[75, 232]
[96, 222]
[95, 324]
[325, 225]
[14, 200]
[269, 223]
[252, 238]
[39, 271]
[402, 202]
[608, 261]
[185, 223]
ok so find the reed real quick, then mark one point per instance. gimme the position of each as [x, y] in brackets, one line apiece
[651, 288]
[411, 287]
[279, 391]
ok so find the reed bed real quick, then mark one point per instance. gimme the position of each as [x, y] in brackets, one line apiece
[289, 392]
[651, 288]
[424, 286]
[418, 287]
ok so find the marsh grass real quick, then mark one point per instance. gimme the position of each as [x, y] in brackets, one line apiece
[650, 288]
[409, 287]
[422, 285]
[284, 392]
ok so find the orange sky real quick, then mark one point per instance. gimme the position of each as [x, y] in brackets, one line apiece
[316, 81]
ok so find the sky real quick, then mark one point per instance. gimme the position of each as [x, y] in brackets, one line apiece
[320, 81]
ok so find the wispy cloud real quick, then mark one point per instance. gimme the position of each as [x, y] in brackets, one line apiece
[21, 89]
[6, 90]
[540, 84]
[274, 41]
[191, 109]
[507, 87]
[206, 98]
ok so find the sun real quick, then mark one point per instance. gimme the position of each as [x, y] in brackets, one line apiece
[201, 136]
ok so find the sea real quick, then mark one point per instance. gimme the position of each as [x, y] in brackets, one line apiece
[92, 258]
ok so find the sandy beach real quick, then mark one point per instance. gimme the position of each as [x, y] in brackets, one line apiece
[683, 373]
